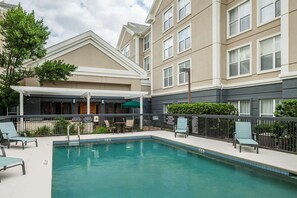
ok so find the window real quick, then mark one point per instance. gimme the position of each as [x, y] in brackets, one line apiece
[184, 8]
[239, 61]
[146, 42]
[184, 39]
[270, 57]
[146, 63]
[267, 107]
[168, 77]
[168, 48]
[183, 76]
[168, 19]
[165, 108]
[243, 107]
[239, 18]
[268, 10]
[126, 51]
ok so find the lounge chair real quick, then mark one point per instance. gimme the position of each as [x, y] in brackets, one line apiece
[109, 128]
[9, 162]
[10, 134]
[182, 126]
[243, 135]
[129, 125]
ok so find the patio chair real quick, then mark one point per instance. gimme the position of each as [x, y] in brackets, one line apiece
[9, 162]
[10, 134]
[182, 126]
[129, 125]
[109, 128]
[243, 135]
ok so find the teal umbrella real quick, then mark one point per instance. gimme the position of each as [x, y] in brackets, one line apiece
[132, 104]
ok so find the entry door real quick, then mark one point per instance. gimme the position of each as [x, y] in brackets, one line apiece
[83, 108]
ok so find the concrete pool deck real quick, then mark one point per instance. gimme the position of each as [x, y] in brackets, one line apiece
[37, 182]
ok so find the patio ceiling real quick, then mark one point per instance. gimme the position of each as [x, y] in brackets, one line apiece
[28, 91]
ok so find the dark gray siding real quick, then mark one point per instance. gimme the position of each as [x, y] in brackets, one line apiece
[290, 89]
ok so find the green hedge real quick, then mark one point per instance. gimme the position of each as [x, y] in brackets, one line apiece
[288, 108]
[203, 108]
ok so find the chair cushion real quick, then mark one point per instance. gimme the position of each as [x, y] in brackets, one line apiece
[23, 139]
[180, 131]
[247, 141]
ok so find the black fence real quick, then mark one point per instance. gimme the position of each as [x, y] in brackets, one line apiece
[270, 132]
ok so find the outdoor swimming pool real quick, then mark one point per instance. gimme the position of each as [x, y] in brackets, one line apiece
[149, 168]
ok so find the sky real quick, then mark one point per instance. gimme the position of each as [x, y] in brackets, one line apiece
[68, 18]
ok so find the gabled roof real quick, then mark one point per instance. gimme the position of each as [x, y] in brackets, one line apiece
[6, 6]
[89, 37]
[152, 13]
[132, 29]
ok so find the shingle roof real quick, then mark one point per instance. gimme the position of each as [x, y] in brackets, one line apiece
[137, 28]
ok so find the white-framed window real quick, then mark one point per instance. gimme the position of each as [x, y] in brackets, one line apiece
[270, 53]
[165, 107]
[184, 8]
[146, 42]
[268, 10]
[184, 39]
[243, 107]
[168, 19]
[146, 63]
[239, 19]
[126, 51]
[267, 107]
[168, 77]
[239, 61]
[183, 76]
[168, 48]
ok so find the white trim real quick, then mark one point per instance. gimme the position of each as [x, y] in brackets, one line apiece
[128, 44]
[151, 55]
[289, 75]
[259, 24]
[147, 34]
[171, 66]
[152, 13]
[137, 58]
[228, 20]
[228, 61]
[180, 84]
[177, 39]
[163, 13]
[259, 71]
[167, 38]
[273, 105]
[285, 37]
[177, 12]
[216, 43]
[238, 101]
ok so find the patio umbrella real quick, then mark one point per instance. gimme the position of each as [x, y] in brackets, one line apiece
[131, 104]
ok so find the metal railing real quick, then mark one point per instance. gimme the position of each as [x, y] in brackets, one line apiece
[272, 133]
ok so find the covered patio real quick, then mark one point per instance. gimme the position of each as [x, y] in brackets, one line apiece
[82, 93]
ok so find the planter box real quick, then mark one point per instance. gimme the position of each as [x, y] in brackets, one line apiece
[267, 140]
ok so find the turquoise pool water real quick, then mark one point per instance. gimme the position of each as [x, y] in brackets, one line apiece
[148, 168]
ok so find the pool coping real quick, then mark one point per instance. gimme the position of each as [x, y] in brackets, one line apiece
[287, 174]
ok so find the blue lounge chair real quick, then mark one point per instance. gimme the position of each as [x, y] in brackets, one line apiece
[182, 126]
[243, 135]
[10, 134]
[9, 162]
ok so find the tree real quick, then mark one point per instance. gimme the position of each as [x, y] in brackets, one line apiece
[53, 70]
[24, 38]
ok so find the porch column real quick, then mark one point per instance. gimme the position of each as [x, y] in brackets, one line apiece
[21, 111]
[89, 125]
[141, 112]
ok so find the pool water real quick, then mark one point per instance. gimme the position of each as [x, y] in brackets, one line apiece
[148, 168]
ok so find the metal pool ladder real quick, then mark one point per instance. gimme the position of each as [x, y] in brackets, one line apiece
[74, 142]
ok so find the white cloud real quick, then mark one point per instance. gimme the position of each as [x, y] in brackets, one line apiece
[69, 18]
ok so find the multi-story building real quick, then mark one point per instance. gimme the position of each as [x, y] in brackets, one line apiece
[239, 51]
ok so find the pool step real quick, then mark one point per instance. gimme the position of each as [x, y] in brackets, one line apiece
[73, 143]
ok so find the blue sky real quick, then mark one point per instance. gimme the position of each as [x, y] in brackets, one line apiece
[68, 18]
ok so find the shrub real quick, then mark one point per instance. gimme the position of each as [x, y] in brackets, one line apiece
[60, 126]
[288, 108]
[101, 129]
[43, 131]
[203, 108]
[73, 128]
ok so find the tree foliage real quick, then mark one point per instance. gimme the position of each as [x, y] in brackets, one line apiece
[23, 39]
[54, 70]
[287, 108]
